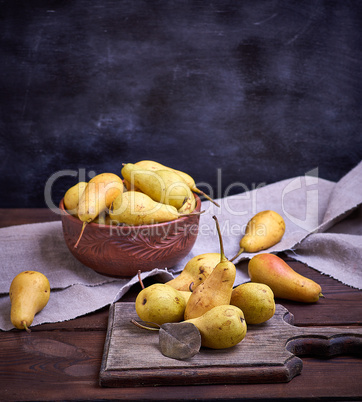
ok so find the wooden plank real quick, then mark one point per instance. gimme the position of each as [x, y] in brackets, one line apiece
[267, 353]
[65, 365]
[20, 216]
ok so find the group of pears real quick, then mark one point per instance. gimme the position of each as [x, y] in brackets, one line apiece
[149, 193]
[204, 293]
[207, 306]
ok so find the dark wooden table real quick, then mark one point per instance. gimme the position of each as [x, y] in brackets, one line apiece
[61, 361]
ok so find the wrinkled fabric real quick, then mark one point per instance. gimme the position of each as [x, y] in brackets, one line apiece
[323, 230]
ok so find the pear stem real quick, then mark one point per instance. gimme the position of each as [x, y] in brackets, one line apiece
[237, 255]
[191, 214]
[28, 330]
[197, 190]
[222, 254]
[185, 200]
[140, 279]
[81, 234]
[137, 324]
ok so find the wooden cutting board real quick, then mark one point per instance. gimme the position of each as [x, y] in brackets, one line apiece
[267, 354]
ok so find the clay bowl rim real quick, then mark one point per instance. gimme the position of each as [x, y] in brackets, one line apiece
[104, 226]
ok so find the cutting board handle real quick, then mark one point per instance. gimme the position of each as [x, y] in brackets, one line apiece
[325, 342]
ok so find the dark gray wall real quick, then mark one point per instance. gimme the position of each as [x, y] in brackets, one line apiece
[252, 91]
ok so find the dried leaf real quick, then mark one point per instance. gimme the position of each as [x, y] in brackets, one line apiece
[181, 340]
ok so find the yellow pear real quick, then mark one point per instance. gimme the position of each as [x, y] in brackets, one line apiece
[216, 289]
[282, 279]
[221, 327]
[152, 165]
[185, 294]
[164, 186]
[136, 208]
[256, 300]
[72, 196]
[189, 204]
[263, 230]
[103, 219]
[160, 303]
[195, 271]
[129, 186]
[97, 197]
[29, 293]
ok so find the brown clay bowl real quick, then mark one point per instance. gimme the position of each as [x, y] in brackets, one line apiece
[120, 251]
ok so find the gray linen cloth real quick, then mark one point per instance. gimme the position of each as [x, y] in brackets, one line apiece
[323, 230]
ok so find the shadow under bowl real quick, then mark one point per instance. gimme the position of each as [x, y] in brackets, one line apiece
[121, 251]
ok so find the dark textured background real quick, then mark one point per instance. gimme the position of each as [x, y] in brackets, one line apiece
[229, 91]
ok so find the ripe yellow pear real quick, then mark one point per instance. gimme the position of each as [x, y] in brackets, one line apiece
[97, 197]
[136, 208]
[72, 197]
[282, 279]
[195, 271]
[129, 186]
[256, 300]
[263, 230]
[221, 327]
[185, 294]
[152, 165]
[29, 293]
[189, 205]
[103, 219]
[216, 288]
[164, 186]
[160, 303]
